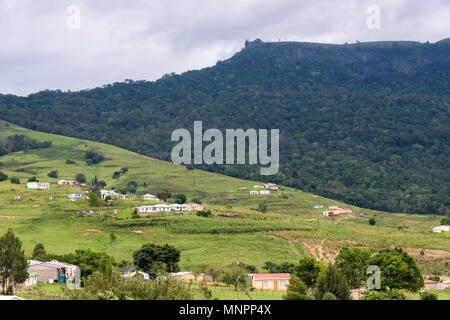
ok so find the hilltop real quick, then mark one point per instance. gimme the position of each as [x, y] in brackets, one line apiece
[363, 123]
[288, 230]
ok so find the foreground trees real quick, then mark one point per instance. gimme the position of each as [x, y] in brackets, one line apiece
[332, 281]
[13, 263]
[152, 257]
[398, 269]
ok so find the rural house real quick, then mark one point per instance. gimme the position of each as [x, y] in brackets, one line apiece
[74, 196]
[112, 194]
[149, 196]
[38, 185]
[441, 228]
[54, 272]
[67, 183]
[270, 281]
[138, 274]
[193, 207]
[29, 283]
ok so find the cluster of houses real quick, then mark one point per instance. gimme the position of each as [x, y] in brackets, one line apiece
[258, 281]
[50, 272]
[441, 228]
[67, 183]
[146, 210]
[38, 185]
[270, 186]
[334, 211]
[253, 192]
[112, 194]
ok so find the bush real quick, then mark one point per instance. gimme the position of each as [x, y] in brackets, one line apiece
[33, 179]
[53, 174]
[428, 296]
[68, 161]
[80, 178]
[372, 221]
[14, 180]
[3, 177]
[93, 157]
[383, 295]
[204, 213]
[328, 296]
[180, 198]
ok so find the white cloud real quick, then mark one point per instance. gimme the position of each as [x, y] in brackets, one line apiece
[145, 39]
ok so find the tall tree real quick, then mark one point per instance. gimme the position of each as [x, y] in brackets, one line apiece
[307, 270]
[398, 270]
[334, 281]
[13, 263]
[353, 263]
[296, 290]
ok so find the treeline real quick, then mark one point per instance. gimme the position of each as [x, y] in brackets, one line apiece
[18, 142]
[365, 123]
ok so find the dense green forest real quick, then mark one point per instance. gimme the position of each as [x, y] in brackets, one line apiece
[365, 123]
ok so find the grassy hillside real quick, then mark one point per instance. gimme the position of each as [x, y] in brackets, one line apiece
[288, 230]
[364, 123]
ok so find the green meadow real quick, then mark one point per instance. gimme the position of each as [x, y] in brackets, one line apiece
[290, 228]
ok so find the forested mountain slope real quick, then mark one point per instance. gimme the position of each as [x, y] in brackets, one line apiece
[364, 123]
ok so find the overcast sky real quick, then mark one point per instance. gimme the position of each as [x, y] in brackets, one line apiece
[46, 45]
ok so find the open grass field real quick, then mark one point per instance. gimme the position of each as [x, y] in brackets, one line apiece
[290, 228]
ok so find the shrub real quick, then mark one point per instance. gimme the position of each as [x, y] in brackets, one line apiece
[372, 221]
[328, 296]
[14, 180]
[33, 179]
[428, 296]
[68, 161]
[3, 176]
[204, 213]
[53, 174]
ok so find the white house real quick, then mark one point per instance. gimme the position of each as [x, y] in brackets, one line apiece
[149, 196]
[264, 192]
[156, 208]
[178, 207]
[441, 228]
[37, 185]
[144, 275]
[74, 196]
[254, 192]
[112, 194]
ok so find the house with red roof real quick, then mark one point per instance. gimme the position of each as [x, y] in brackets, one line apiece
[270, 281]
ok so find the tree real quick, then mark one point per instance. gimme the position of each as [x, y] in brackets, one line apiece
[92, 157]
[116, 175]
[262, 207]
[39, 252]
[152, 258]
[164, 194]
[53, 174]
[235, 276]
[296, 290]
[80, 178]
[372, 221]
[93, 199]
[3, 177]
[33, 179]
[13, 263]
[14, 180]
[398, 270]
[334, 281]
[196, 200]
[204, 213]
[353, 263]
[307, 270]
[180, 198]
[284, 267]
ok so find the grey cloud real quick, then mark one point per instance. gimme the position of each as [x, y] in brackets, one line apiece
[122, 39]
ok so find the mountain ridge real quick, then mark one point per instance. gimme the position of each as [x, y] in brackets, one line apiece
[362, 123]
